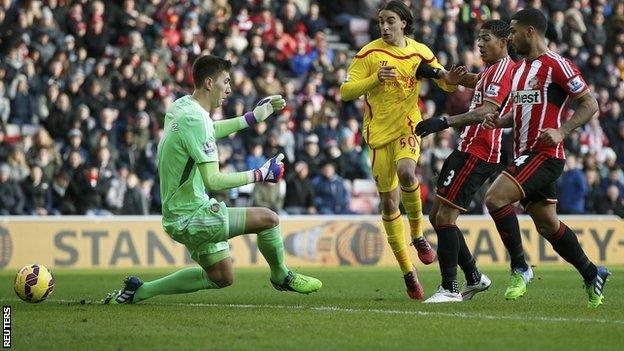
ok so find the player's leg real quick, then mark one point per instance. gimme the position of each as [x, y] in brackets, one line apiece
[460, 177]
[386, 180]
[265, 223]
[406, 153]
[498, 199]
[205, 235]
[565, 243]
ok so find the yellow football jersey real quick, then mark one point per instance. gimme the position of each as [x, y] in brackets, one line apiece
[391, 107]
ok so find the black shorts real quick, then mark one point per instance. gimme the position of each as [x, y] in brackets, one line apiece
[536, 175]
[461, 177]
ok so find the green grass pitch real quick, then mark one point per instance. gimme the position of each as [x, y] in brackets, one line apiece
[357, 309]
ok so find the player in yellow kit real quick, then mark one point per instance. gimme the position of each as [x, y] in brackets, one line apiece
[387, 72]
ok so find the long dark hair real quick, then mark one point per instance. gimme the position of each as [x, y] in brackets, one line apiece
[404, 13]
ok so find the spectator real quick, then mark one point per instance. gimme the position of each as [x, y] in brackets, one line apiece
[612, 204]
[572, 188]
[134, 201]
[268, 195]
[38, 193]
[11, 195]
[19, 169]
[256, 159]
[299, 191]
[312, 155]
[330, 193]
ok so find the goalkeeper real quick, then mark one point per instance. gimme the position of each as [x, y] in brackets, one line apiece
[188, 165]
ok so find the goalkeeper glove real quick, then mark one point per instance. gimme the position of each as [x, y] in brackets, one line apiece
[431, 125]
[271, 171]
[264, 108]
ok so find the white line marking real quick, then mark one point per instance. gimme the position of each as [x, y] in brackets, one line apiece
[368, 310]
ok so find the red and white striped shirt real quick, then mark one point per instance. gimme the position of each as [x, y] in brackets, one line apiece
[540, 91]
[494, 85]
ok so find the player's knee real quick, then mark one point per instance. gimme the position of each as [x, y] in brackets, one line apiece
[407, 177]
[547, 228]
[270, 219]
[225, 280]
[443, 217]
[493, 201]
[389, 205]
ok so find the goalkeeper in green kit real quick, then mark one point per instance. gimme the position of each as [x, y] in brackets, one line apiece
[188, 166]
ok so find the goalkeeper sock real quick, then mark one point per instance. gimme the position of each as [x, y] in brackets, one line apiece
[448, 247]
[410, 197]
[186, 280]
[271, 247]
[566, 244]
[509, 230]
[393, 223]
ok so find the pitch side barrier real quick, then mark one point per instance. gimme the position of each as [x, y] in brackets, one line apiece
[139, 241]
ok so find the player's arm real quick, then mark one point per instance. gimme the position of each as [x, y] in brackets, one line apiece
[587, 108]
[360, 79]
[436, 124]
[214, 180]
[264, 108]
[493, 121]
[569, 78]
[457, 75]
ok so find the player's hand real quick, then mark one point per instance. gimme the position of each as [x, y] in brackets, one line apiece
[271, 171]
[264, 108]
[386, 73]
[551, 136]
[455, 75]
[490, 121]
[431, 125]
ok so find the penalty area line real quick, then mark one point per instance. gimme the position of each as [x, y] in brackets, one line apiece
[462, 315]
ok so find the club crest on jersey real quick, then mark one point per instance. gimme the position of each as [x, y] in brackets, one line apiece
[209, 148]
[527, 97]
[492, 90]
[477, 98]
[576, 84]
[534, 83]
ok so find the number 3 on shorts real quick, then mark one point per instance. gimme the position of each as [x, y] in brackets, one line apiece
[449, 178]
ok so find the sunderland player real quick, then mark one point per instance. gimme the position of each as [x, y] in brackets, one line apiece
[476, 158]
[385, 72]
[188, 165]
[542, 85]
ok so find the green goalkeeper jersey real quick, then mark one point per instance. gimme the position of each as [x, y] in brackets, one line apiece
[188, 140]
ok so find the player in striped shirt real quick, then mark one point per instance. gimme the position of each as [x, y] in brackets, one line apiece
[475, 159]
[542, 85]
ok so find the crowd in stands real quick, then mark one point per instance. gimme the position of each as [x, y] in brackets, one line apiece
[84, 86]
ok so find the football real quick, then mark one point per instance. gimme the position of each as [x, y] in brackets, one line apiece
[33, 283]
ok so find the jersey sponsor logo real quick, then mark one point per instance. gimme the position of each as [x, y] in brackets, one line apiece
[477, 98]
[209, 148]
[493, 90]
[347, 78]
[576, 84]
[527, 97]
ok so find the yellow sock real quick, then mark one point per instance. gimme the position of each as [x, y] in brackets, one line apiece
[396, 238]
[410, 197]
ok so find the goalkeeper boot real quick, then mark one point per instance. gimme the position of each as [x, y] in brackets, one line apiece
[470, 290]
[444, 295]
[298, 283]
[126, 294]
[594, 288]
[414, 289]
[426, 254]
[520, 278]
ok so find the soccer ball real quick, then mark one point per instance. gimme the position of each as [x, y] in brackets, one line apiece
[33, 283]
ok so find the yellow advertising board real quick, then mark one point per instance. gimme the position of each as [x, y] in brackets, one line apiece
[107, 242]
